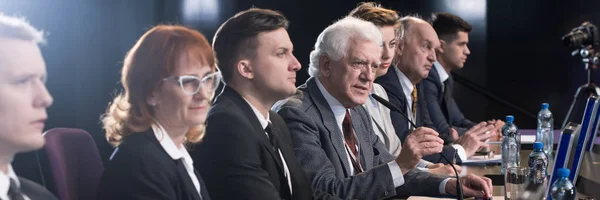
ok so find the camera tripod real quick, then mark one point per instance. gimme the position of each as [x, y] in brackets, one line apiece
[584, 91]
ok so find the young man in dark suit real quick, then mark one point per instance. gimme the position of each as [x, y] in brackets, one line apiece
[247, 151]
[453, 33]
[332, 133]
[415, 56]
[23, 102]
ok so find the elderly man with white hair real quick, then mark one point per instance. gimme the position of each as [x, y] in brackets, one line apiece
[332, 134]
[23, 103]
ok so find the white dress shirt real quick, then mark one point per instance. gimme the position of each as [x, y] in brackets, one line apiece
[407, 88]
[176, 152]
[5, 183]
[264, 122]
[442, 72]
[339, 111]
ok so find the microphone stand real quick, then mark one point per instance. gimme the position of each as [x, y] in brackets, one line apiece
[391, 106]
[586, 90]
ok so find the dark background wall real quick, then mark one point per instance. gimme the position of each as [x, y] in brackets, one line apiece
[527, 63]
[516, 49]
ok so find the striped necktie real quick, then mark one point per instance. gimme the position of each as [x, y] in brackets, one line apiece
[414, 105]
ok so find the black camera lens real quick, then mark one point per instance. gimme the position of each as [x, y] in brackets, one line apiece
[582, 36]
[576, 38]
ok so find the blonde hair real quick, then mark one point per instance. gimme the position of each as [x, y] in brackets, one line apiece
[152, 58]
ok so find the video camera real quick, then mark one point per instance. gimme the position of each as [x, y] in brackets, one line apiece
[582, 36]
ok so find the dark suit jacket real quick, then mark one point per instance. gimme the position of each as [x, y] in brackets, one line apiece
[35, 191]
[441, 106]
[237, 159]
[141, 169]
[319, 147]
[393, 87]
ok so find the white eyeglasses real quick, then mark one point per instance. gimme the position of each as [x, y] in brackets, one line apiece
[191, 84]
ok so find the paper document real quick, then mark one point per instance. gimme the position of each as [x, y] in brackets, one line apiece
[483, 159]
[527, 139]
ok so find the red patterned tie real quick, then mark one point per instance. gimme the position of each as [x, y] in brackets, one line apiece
[351, 141]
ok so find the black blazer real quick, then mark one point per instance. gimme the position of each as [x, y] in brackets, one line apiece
[441, 106]
[35, 191]
[237, 159]
[393, 88]
[141, 169]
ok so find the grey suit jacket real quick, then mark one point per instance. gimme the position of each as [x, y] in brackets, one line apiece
[319, 148]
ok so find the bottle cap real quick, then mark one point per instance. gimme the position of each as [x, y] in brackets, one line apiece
[509, 118]
[545, 106]
[538, 146]
[563, 172]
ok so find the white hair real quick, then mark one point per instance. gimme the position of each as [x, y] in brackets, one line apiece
[333, 41]
[19, 28]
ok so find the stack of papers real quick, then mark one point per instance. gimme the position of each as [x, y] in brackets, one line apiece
[484, 159]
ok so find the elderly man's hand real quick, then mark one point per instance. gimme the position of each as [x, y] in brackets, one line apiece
[442, 169]
[475, 138]
[472, 185]
[421, 142]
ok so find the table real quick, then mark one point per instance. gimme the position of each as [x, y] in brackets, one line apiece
[589, 176]
[532, 132]
[588, 183]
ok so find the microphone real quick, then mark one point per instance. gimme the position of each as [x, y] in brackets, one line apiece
[392, 107]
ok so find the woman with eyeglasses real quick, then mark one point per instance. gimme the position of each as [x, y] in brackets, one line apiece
[169, 80]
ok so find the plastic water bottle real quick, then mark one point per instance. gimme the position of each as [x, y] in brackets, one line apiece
[510, 128]
[562, 188]
[545, 129]
[511, 144]
[538, 164]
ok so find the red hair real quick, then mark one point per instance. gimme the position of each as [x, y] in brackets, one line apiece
[155, 56]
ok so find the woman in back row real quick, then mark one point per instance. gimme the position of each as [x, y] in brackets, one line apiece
[169, 80]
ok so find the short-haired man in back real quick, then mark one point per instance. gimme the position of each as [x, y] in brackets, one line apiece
[453, 33]
[247, 151]
[23, 102]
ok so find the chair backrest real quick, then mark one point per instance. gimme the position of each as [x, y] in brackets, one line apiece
[74, 162]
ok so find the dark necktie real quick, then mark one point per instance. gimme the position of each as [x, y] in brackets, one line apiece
[351, 142]
[275, 143]
[14, 192]
[446, 100]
